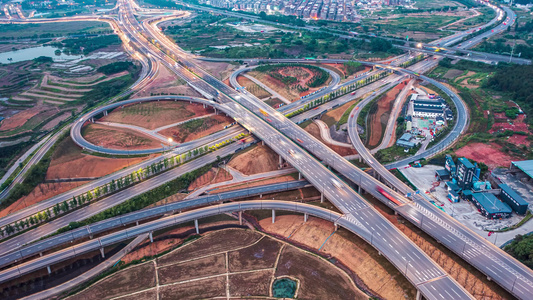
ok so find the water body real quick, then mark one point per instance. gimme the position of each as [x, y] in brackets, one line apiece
[31, 53]
[284, 288]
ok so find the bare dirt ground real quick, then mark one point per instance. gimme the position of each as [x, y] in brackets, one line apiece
[152, 115]
[249, 184]
[236, 262]
[118, 138]
[375, 273]
[220, 70]
[378, 120]
[518, 139]
[313, 129]
[489, 154]
[122, 283]
[252, 87]
[166, 83]
[22, 117]
[452, 73]
[215, 175]
[333, 116]
[259, 159]
[53, 123]
[502, 124]
[185, 133]
[68, 161]
[39, 193]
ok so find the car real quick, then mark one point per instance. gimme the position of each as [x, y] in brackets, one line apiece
[291, 152]
[337, 184]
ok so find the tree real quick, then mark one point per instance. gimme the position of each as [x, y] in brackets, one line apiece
[113, 185]
[64, 206]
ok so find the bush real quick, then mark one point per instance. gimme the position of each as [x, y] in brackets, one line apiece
[115, 67]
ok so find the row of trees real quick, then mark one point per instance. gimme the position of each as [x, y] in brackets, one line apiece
[338, 93]
[111, 187]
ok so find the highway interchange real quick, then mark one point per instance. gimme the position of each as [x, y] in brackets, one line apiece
[428, 277]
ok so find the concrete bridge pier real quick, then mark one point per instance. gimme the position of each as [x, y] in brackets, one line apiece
[262, 143]
[240, 217]
[306, 217]
[105, 113]
[336, 226]
[102, 252]
[196, 226]
[280, 162]
[151, 237]
[359, 189]
[300, 176]
[40, 254]
[136, 223]
[49, 271]
[92, 120]
[273, 216]
[418, 295]
[321, 197]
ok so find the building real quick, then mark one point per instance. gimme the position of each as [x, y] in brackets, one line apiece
[405, 141]
[419, 111]
[465, 173]
[490, 207]
[449, 114]
[523, 170]
[439, 121]
[450, 165]
[515, 201]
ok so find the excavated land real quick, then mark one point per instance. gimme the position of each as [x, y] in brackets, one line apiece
[256, 159]
[69, 161]
[152, 115]
[252, 87]
[197, 128]
[215, 175]
[118, 138]
[167, 83]
[232, 262]
[313, 129]
[489, 154]
[377, 121]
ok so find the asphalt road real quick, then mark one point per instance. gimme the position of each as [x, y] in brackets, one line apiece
[10, 255]
[424, 269]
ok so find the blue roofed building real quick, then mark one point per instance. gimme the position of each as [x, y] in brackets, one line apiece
[490, 206]
[515, 201]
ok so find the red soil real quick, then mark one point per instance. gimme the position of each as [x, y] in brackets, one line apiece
[517, 124]
[315, 131]
[41, 192]
[518, 139]
[489, 154]
[20, 118]
[384, 107]
[211, 125]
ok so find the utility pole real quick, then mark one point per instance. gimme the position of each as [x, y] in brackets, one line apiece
[512, 49]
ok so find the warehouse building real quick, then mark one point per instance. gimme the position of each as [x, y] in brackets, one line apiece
[490, 207]
[523, 170]
[419, 111]
[515, 201]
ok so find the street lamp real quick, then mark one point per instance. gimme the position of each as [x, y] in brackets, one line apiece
[419, 45]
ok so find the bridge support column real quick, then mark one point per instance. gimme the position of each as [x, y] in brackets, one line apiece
[203, 105]
[299, 176]
[92, 120]
[489, 279]
[240, 218]
[262, 143]
[136, 223]
[306, 216]
[102, 252]
[336, 226]
[105, 113]
[49, 271]
[321, 197]
[40, 254]
[280, 161]
[196, 226]
[359, 189]
[260, 195]
[151, 237]
[273, 216]
[216, 112]
[418, 295]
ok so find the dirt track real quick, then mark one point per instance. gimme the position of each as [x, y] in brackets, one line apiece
[378, 120]
[257, 160]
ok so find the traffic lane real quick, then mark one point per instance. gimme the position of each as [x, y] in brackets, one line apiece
[107, 224]
[113, 200]
[442, 288]
[342, 201]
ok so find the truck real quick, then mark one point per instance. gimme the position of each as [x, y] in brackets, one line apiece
[264, 113]
[337, 184]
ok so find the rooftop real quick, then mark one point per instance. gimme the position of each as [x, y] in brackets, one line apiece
[525, 165]
[429, 110]
[491, 204]
[465, 162]
[428, 102]
[406, 137]
[513, 194]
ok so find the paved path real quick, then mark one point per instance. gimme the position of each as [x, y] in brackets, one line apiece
[268, 89]
[324, 134]
[391, 124]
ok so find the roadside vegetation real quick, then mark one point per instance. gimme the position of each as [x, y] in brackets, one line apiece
[219, 36]
[521, 248]
[494, 96]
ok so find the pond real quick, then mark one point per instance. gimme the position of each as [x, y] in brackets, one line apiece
[31, 53]
[284, 288]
